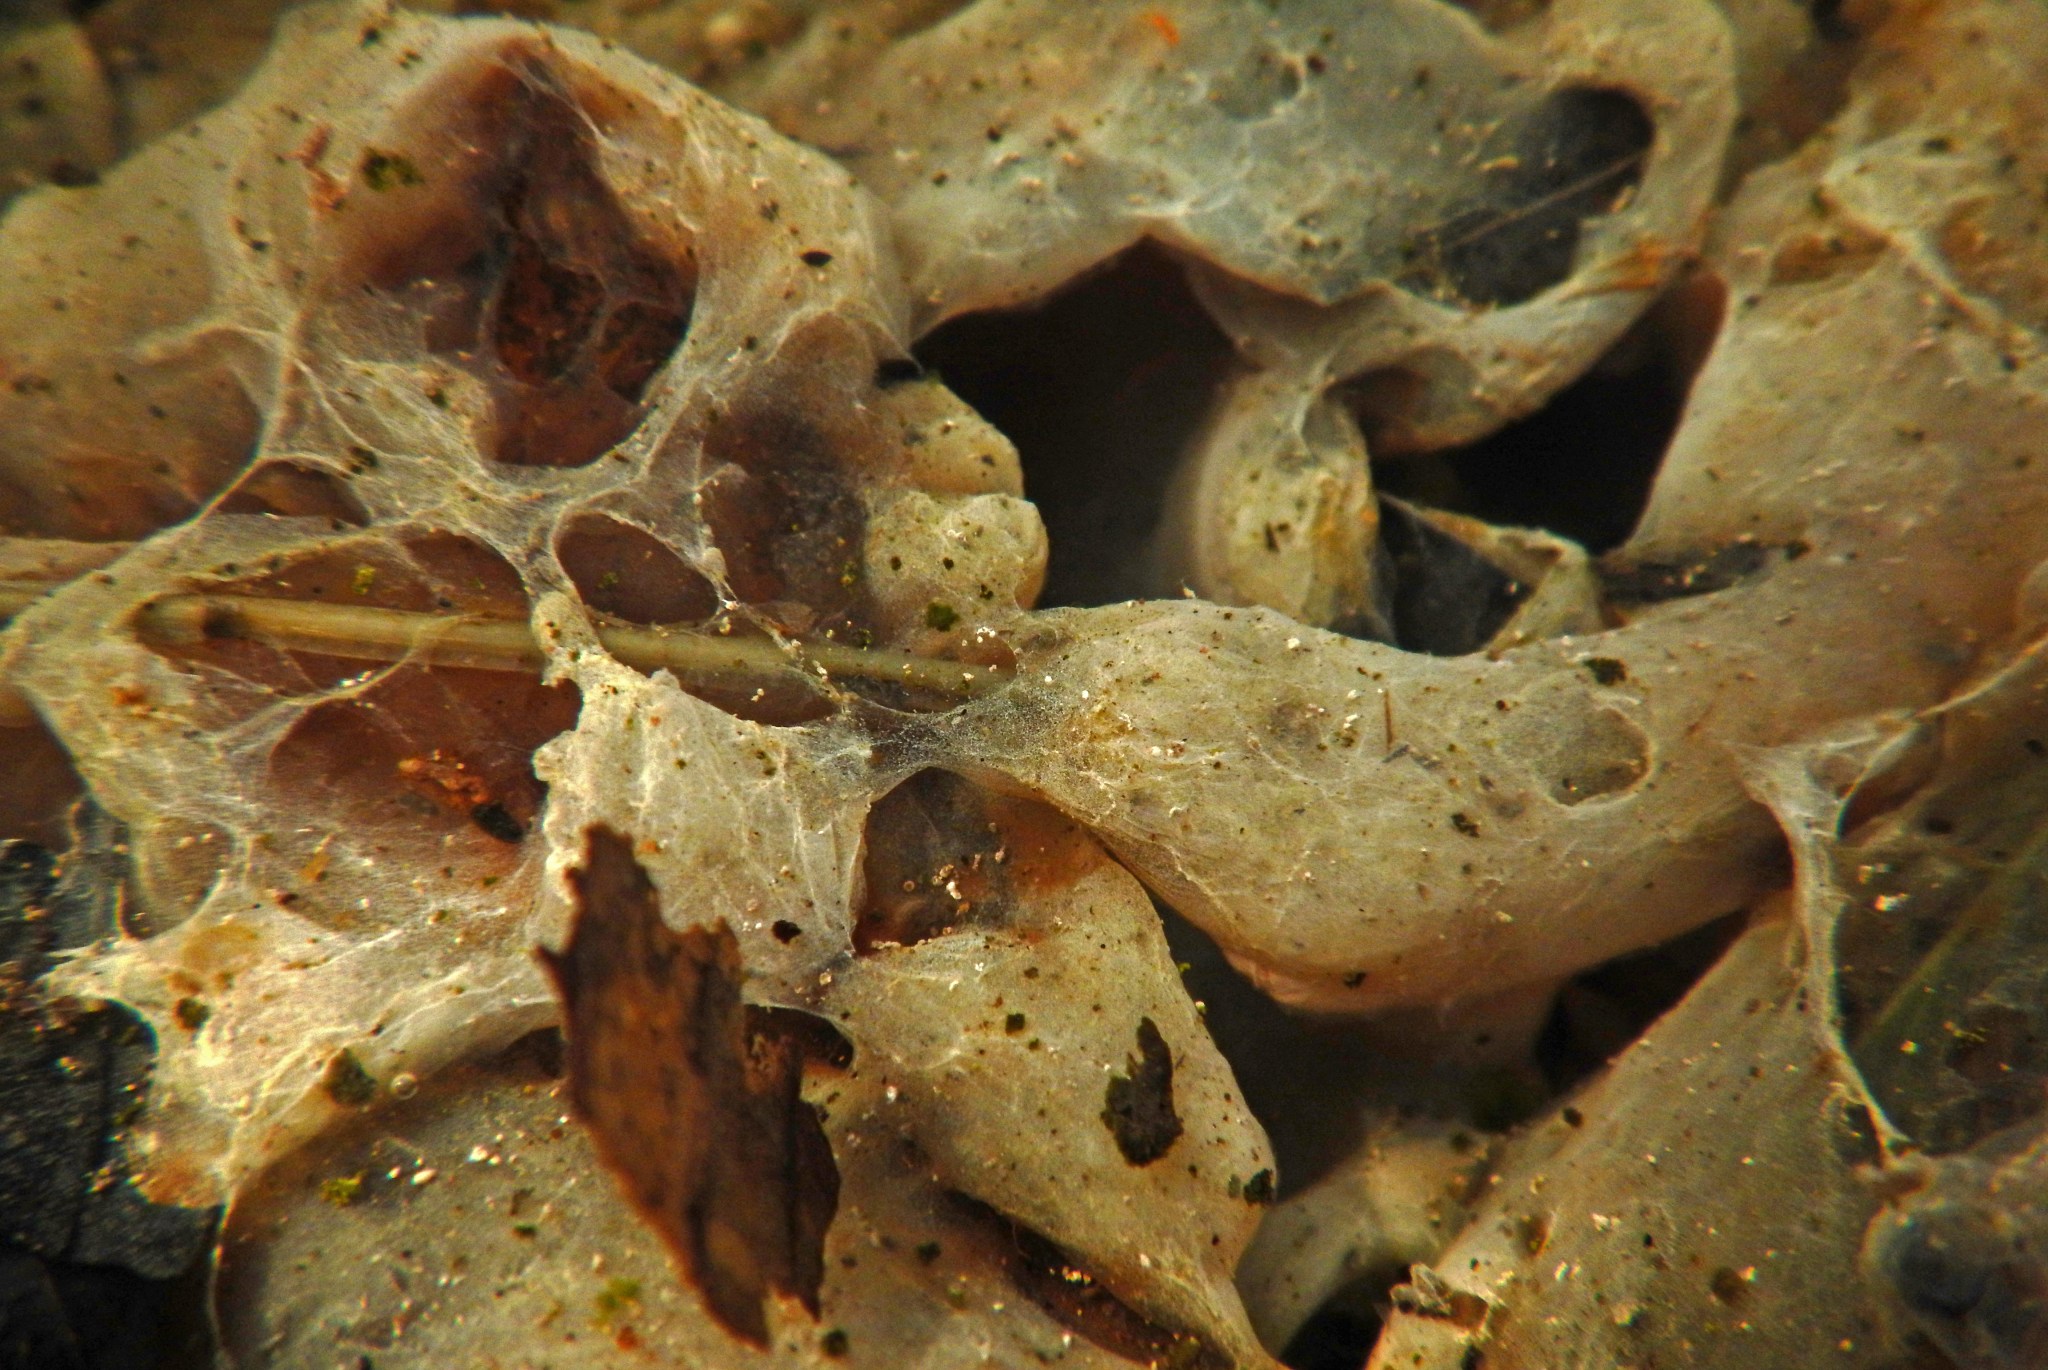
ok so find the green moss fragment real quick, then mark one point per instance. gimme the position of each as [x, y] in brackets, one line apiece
[346, 1082]
[618, 1294]
[342, 1190]
[384, 170]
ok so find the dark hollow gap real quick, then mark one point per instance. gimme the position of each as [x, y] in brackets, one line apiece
[1337, 1336]
[1578, 155]
[1100, 385]
[584, 313]
[1500, 15]
[1292, 1068]
[1073, 1297]
[1448, 599]
[1584, 464]
[1600, 1011]
[42, 785]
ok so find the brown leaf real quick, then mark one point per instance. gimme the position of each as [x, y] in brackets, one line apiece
[690, 1095]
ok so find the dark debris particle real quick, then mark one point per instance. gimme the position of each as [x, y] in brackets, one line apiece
[817, 258]
[1728, 1285]
[493, 819]
[786, 931]
[1259, 1190]
[346, 1082]
[834, 1343]
[1138, 1105]
[897, 371]
[385, 170]
[1605, 670]
[940, 616]
[1464, 824]
[71, 175]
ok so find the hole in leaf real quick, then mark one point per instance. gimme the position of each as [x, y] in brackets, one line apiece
[293, 490]
[630, 574]
[781, 477]
[1499, 15]
[522, 270]
[1100, 386]
[1337, 1336]
[788, 522]
[939, 852]
[1600, 1011]
[1583, 465]
[435, 765]
[1576, 157]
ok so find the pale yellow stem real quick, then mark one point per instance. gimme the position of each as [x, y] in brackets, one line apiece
[698, 658]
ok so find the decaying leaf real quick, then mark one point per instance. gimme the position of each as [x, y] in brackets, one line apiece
[690, 1096]
[471, 445]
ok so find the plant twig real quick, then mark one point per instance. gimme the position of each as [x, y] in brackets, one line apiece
[358, 632]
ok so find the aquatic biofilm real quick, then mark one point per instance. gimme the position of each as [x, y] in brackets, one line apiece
[1185, 684]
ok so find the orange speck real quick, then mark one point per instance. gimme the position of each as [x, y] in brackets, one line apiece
[1163, 24]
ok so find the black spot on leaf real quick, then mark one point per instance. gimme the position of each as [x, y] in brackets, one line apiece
[1138, 1106]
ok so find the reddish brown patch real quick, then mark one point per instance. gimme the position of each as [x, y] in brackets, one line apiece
[785, 514]
[293, 490]
[1162, 24]
[940, 852]
[691, 1097]
[628, 573]
[519, 266]
[41, 786]
[342, 765]
[324, 189]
